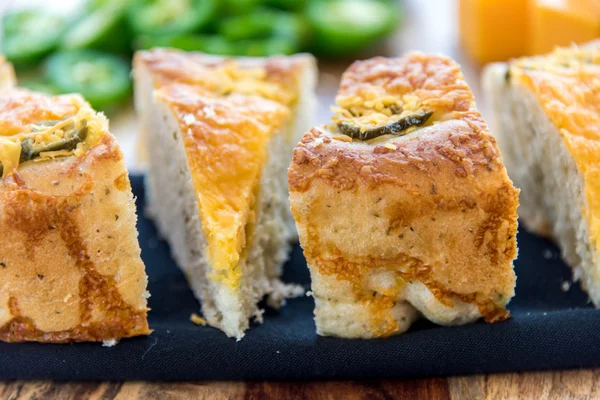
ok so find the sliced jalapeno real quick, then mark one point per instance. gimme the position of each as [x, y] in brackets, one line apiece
[274, 25]
[102, 79]
[160, 17]
[293, 27]
[239, 7]
[213, 44]
[257, 25]
[293, 5]
[30, 151]
[29, 35]
[39, 85]
[346, 26]
[267, 47]
[394, 128]
[101, 27]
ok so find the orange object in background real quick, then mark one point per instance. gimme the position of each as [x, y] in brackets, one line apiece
[493, 30]
[496, 30]
[562, 22]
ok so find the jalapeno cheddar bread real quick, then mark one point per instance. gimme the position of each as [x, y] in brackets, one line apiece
[402, 203]
[70, 266]
[547, 118]
[220, 134]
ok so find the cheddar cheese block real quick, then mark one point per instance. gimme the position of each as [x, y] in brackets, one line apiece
[70, 266]
[555, 23]
[547, 118]
[493, 30]
[402, 203]
[219, 134]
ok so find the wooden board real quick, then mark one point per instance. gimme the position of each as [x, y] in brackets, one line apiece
[583, 384]
[431, 27]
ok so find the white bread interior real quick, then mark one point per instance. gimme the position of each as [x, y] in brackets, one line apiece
[338, 309]
[172, 204]
[552, 189]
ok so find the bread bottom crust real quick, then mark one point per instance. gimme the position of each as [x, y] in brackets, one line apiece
[341, 311]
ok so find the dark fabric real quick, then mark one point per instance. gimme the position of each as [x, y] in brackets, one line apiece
[549, 329]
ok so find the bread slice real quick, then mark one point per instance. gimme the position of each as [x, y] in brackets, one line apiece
[547, 120]
[70, 265]
[419, 218]
[220, 134]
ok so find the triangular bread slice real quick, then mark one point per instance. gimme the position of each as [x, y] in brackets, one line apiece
[402, 203]
[219, 137]
[70, 265]
[547, 119]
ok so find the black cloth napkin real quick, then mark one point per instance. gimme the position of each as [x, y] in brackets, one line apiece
[549, 329]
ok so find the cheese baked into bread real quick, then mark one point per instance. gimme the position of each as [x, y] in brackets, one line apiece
[402, 203]
[547, 120]
[220, 133]
[70, 265]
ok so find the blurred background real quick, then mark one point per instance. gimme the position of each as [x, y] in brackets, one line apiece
[85, 46]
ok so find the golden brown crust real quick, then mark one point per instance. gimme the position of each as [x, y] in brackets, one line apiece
[69, 257]
[274, 78]
[20, 108]
[567, 85]
[434, 205]
[227, 110]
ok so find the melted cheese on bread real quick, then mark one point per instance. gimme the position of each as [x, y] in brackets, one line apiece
[567, 85]
[227, 113]
[19, 121]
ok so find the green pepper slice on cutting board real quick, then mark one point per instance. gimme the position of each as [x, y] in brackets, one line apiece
[30, 35]
[162, 17]
[346, 26]
[102, 26]
[101, 78]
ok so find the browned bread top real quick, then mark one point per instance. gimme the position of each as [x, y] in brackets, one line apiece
[227, 110]
[276, 78]
[432, 203]
[70, 266]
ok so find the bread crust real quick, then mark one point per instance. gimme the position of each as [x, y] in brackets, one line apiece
[434, 206]
[566, 84]
[217, 75]
[554, 101]
[227, 110]
[69, 256]
[230, 124]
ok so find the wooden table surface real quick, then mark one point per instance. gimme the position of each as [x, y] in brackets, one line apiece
[584, 384]
[431, 27]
